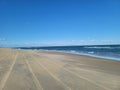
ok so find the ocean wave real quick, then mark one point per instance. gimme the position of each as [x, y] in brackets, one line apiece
[100, 47]
[91, 52]
[96, 50]
[70, 51]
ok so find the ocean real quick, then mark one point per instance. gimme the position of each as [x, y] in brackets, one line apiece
[99, 51]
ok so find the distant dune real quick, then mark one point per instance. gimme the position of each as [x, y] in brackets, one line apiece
[46, 70]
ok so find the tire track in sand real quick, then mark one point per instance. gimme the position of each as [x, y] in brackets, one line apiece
[4, 80]
[52, 75]
[82, 77]
[79, 76]
[37, 83]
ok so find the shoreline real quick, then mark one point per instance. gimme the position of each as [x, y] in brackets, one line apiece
[94, 56]
[79, 54]
[110, 52]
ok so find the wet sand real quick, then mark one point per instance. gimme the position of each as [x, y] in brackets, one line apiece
[46, 70]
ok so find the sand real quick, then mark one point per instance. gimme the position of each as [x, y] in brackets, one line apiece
[46, 70]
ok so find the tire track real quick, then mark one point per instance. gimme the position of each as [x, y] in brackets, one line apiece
[52, 74]
[8, 73]
[82, 77]
[89, 80]
[79, 76]
[37, 83]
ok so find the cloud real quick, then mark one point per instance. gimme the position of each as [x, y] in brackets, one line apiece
[108, 41]
[5, 43]
[91, 42]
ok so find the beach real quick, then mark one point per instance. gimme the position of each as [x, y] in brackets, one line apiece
[48, 70]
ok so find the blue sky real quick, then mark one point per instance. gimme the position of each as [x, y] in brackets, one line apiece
[59, 22]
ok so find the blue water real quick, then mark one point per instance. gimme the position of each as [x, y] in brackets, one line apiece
[101, 51]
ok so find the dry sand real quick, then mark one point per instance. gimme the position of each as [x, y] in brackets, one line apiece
[45, 70]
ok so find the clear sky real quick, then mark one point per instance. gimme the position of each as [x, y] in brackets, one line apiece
[59, 22]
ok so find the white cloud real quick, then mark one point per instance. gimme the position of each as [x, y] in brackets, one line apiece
[82, 40]
[5, 43]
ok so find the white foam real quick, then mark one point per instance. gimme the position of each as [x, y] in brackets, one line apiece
[100, 47]
[91, 52]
